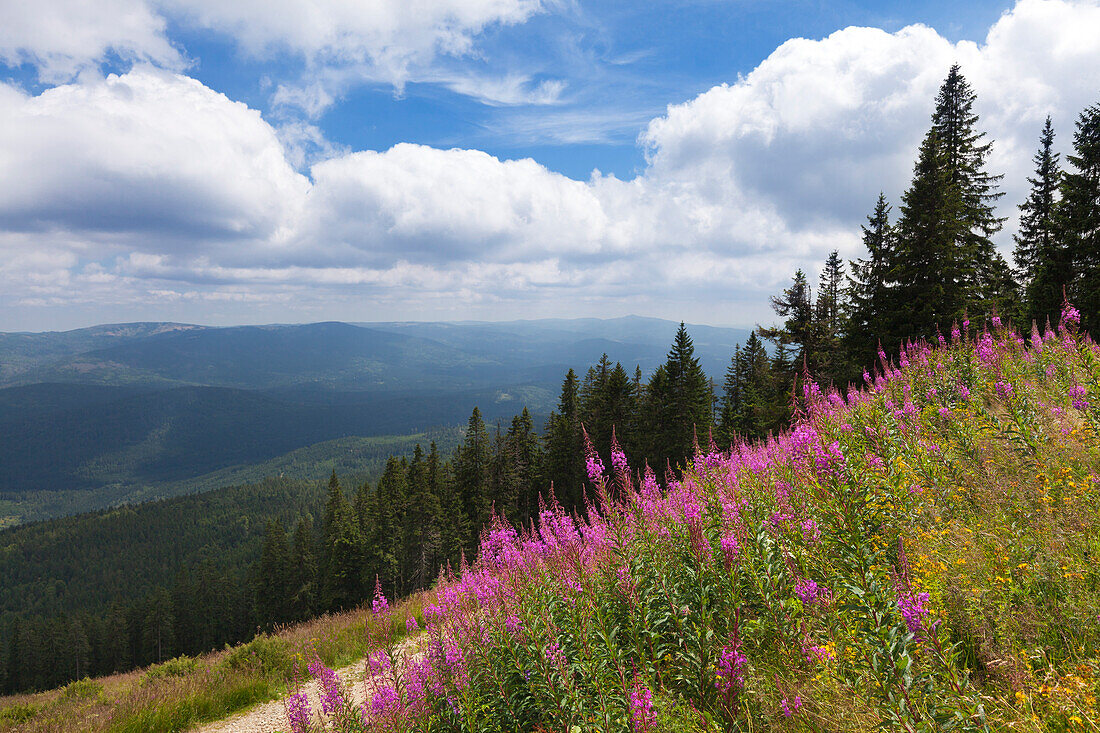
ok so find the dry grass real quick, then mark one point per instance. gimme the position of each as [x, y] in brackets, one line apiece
[219, 684]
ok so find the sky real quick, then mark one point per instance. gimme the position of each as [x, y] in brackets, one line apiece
[268, 161]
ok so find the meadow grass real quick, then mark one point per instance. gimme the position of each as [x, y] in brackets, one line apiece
[180, 694]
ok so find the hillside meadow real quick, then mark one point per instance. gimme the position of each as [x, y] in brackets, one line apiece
[918, 554]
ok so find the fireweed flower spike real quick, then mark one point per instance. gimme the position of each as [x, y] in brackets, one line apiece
[298, 712]
[642, 714]
[379, 605]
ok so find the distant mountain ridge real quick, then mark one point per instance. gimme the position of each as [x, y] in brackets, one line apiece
[97, 414]
[379, 355]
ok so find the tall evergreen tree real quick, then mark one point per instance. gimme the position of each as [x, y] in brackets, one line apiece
[421, 530]
[472, 464]
[303, 574]
[867, 287]
[945, 262]
[272, 578]
[453, 525]
[828, 312]
[1041, 260]
[678, 404]
[565, 445]
[1081, 216]
[525, 451]
[157, 625]
[799, 328]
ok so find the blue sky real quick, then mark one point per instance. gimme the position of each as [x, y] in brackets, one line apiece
[194, 160]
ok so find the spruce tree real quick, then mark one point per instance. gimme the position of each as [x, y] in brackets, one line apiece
[945, 263]
[565, 445]
[421, 530]
[732, 394]
[1080, 217]
[1041, 263]
[303, 574]
[525, 450]
[828, 312]
[679, 404]
[800, 327]
[451, 522]
[273, 578]
[472, 464]
[868, 287]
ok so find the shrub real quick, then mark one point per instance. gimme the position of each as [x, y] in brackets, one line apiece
[84, 689]
[265, 654]
[180, 666]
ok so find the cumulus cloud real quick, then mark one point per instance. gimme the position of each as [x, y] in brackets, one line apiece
[63, 37]
[151, 183]
[150, 157]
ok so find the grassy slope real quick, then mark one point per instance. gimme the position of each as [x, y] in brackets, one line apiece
[920, 556]
[187, 692]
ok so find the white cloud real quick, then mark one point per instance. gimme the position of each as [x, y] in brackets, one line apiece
[148, 159]
[344, 42]
[340, 42]
[63, 37]
[743, 183]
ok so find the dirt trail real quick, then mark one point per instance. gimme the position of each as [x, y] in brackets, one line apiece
[270, 717]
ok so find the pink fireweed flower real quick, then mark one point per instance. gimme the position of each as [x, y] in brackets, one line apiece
[513, 625]
[411, 625]
[386, 703]
[642, 714]
[379, 605]
[378, 663]
[1004, 389]
[298, 712]
[955, 334]
[1077, 396]
[985, 350]
[730, 670]
[332, 697]
[806, 590]
[996, 321]
[594, 466]
[619, 463]
[819, 654]
[1071, 317]
[791, 708]
[731, 549]
[913, 611]
[964, 392]
[810, 531]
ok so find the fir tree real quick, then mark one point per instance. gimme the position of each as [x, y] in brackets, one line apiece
[678, 404]
[828, 312]
[565, 445]
[931, 272]
[453, 526]
[868, 291]
[471, 471]
[272, 578]
[799, 328]
[303, 574]
[1040, 258]
[1080, 218]
[945, 263]
[421, 531]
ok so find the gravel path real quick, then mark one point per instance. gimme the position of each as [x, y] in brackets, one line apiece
[270, 717]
